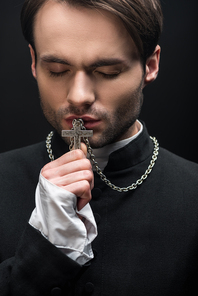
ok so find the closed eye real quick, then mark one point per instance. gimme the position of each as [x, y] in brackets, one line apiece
[58, 74]
[109, 75]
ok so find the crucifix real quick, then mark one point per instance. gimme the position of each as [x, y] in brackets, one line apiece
[77, 132]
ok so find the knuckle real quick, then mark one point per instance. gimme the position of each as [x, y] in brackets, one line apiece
[87, 164]
[86, 186]
[88, 175]
[78, 154]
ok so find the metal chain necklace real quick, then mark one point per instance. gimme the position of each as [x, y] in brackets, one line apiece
[95, 164]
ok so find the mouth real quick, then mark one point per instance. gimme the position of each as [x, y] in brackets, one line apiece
[89, 121]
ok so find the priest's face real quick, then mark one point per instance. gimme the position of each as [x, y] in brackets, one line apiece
[87, 67]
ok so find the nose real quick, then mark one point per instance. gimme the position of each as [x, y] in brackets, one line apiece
[81, 90]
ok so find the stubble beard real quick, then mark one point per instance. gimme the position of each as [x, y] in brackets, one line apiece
[117, 124]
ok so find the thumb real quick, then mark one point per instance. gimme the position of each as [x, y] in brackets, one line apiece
[83, 147]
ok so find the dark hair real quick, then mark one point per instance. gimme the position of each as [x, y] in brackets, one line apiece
[143, 19]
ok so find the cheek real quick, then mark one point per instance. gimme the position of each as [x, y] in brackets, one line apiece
[118, 95]
[50, 92]
[119, 91]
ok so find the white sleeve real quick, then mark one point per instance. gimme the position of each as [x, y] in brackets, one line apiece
[56, 217]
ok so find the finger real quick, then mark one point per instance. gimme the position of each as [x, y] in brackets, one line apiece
[66, 169]
[64, 159]
[83, 147]
[81, 203]
[82, 190]
[69, 179]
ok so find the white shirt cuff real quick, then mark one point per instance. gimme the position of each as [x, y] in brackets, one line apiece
[55, 216]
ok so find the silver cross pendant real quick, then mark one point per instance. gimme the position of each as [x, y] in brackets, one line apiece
[77, 132]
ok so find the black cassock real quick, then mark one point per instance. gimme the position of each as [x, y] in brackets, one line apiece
[147, 242]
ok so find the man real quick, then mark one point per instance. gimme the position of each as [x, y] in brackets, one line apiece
[129, 227]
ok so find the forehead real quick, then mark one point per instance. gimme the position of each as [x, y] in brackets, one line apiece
[80, 32]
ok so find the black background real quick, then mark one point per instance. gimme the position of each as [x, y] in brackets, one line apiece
[170, 104]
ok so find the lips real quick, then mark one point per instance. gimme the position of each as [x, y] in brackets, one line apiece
[89, 121]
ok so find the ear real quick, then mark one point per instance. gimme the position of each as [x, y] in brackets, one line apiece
[33, 65]
[152, 66]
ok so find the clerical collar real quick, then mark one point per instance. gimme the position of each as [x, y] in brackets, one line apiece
[102, 154]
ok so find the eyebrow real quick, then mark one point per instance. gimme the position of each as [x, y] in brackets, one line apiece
[97, 64]
[107, 62]
[53, 59]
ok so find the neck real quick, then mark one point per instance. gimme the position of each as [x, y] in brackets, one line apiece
[132, 131]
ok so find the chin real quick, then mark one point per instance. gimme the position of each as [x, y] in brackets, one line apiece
[98, 143]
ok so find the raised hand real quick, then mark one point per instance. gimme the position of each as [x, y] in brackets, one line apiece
[72, 172]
